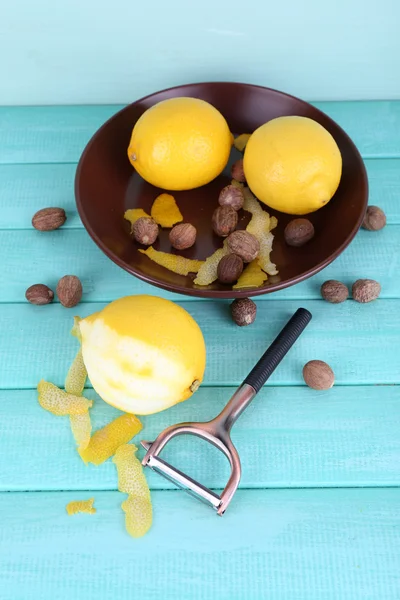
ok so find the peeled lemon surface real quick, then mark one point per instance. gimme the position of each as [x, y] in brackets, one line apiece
[143, 354]
[180, 144]
[293, 165]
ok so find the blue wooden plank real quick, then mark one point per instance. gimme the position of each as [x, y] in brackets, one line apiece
[275, 544]
[59, 134]
[289, 437]
[53, 254]
[360, 341]
[26, 188]
[49, 134]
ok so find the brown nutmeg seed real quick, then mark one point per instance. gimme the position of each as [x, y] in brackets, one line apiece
[69, 290]
[48, 219]
[231, 196]
[243, 311]
[334, 291]
[237, 171]
[183, 236]
[298, 232]
[145, 231]
[375, 219]
[244, 244]
[39, 294]
[230, 268]
[224, 220]
[366, 290]
[318, 375]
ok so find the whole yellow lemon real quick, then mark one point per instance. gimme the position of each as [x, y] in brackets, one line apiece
[293, 165]
[143, 354]
[180, 144]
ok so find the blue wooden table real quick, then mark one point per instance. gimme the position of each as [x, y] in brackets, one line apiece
[318, 513]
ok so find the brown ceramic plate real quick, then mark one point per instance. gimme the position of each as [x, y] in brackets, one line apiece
[106, 185]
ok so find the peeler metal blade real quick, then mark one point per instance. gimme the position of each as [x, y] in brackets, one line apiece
[183, 481]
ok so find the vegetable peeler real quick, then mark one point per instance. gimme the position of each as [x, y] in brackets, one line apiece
[217, 431]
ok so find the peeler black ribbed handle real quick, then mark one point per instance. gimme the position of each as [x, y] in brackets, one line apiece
[278, 349]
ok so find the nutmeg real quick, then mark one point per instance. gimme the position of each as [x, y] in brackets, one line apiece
[39, 294]
[318, 375]
[243, 311]
[375, 219]
[237, 171]
[231, 196]
[230, 268]
[182, 236]
[224, 220]
[298, 232]
[244, 244]
[48, 219]
[334, 291]
[69, 290]
[366, 290]
[145, 231]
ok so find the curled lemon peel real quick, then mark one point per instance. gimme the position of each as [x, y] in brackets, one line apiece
[132, 481]
[138, 515]
[75, 331]
[81, 427]
[273, 222]
[241, 141]
[165, 211]
[76, 377]
[173, 262]
[259, 226]
[237, 184]
[105, 442]
[81, 506]
[208, 272]
[252, 277]
[133, 214]
[60, 403]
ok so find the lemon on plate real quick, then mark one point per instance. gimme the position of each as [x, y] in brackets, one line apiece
[143, 354]
[293, 165]
[180, 144]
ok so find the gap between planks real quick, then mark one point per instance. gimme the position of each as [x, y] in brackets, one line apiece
[246, 488]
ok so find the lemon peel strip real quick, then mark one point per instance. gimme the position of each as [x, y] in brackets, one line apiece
[106, 441]
[173, 262]
[252, 277]
[259, 226]
[81, 506]
[240, 142]
[75, 331]
[208, 272]
[76, 376]
[132, 481]
[133, 214]
[81, 427]
[59, 403]
[165, 211]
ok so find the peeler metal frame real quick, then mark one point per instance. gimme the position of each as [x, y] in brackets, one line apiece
[217, 431]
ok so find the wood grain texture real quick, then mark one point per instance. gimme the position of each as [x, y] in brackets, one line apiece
[359, 341]
[59, 134]
[275, 544]
[288, 437]
[50, 255]
[26, 188]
